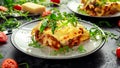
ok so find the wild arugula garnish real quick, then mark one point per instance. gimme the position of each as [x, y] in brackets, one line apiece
[34, 43]
[16, 13]
[44, 25]
[110, 35]
[62, 50]
[1, 56]
[66, 49]
[81, 49]
[26, 65]
[52, 19]
[10, 24]
[105, 1]
[96, 33]
[53, 26]
[81, 11]
[104, 23]
[118, 44]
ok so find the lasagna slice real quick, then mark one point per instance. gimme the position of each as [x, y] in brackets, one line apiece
[67, 35]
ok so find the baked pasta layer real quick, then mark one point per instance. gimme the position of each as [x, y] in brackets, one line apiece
[67, 35]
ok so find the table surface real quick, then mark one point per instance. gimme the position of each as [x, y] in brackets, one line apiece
[103, 58]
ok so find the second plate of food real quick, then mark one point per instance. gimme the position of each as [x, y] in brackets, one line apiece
[95, 9]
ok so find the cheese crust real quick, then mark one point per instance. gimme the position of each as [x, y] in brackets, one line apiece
[67, 35]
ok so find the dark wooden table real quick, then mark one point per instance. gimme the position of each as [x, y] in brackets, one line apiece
[103, 58]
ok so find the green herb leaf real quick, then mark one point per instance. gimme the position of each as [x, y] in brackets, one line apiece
[34, 43]
[81, 11]
[10, 24]
[73, 20]
[62, 50]
[53, 26]
[44, 25]
[24, 64]
[53, 17]
[81, 49]
[110, 35]
[1, 56]
[60, 17]
[2, 28]
[104, 23]
[118, 44]
[95, 32]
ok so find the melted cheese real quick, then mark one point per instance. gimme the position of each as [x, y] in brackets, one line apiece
[64, 33]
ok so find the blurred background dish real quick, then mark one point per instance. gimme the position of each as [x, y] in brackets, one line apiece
[112, 19]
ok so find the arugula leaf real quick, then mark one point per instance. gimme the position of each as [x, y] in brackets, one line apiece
[53, 26]
[1, 56]
[94, 32]
[73, 20]
[34, 43]
[2, 28]
[81, 49]
[44, 25]
[114, 0]
[104, 23]
[118, 44]
[10, 24]
[53, 17]
[24, 64]
[60, 17]
[81, 11]
[54, 10]
[62, 50]
[110, 35]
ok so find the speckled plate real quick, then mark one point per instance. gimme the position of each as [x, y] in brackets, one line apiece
[21, 37]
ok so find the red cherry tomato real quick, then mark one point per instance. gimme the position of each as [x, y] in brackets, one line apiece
[118, 52]
[119, 23]
[9, 63]
[55, 1]
[3, 37]
[18, 7]
[2, 8]
[46, 13]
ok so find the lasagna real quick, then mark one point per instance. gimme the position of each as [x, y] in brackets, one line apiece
[99, 7]
[67, 35]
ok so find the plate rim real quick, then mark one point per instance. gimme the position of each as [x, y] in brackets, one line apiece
[59, 57]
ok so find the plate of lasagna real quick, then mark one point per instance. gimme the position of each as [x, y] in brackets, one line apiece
[96, 8]
[58, 36]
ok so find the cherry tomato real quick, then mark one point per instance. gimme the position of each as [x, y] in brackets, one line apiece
[119, 23]
[3, 37]
[18, 7]
[46, 13]
[9, 63]
[2, 8]
[118, 52]
[55, 1]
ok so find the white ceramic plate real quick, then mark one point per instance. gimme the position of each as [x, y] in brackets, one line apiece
[73, 6]
[22, 37]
